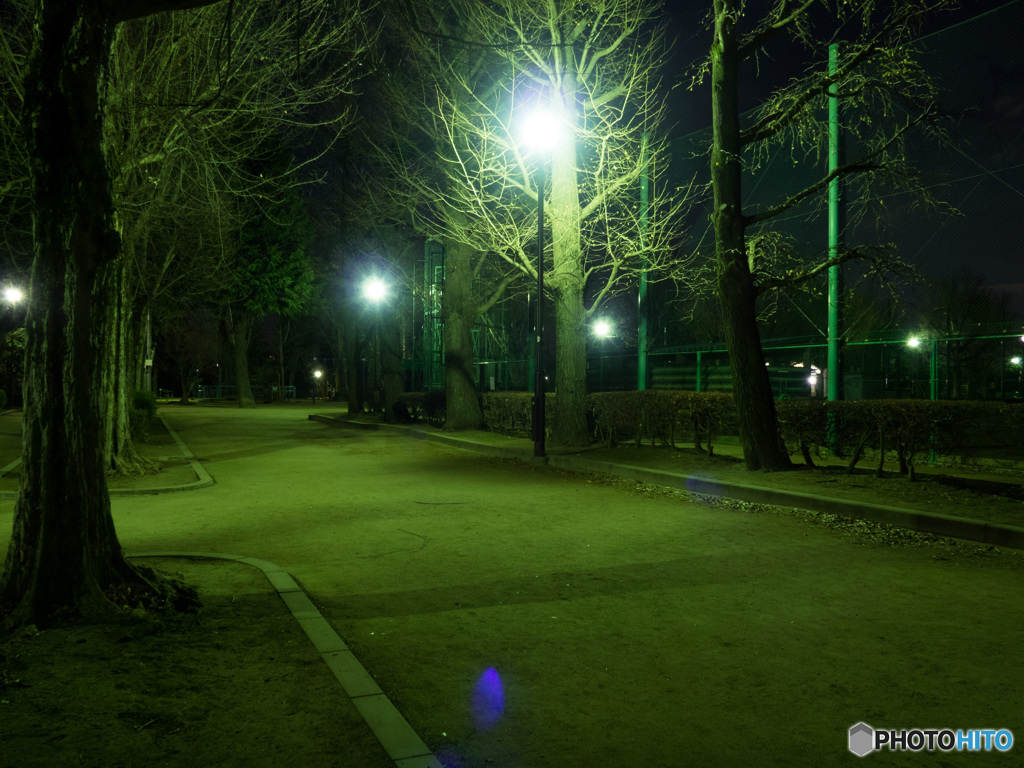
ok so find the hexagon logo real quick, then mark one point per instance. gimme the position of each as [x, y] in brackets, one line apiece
[862, 737]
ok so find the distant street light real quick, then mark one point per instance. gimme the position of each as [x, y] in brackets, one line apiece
[317, 374]
[13, 295]
[541, 132]
[914, 342]
[375, 290]
[603, 329]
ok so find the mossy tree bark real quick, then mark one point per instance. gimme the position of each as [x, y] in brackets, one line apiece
[64, 561]
[459, 311]
[567, 283]
[762, 444]
[241, 333]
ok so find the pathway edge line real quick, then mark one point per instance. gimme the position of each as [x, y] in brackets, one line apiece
[392, 730]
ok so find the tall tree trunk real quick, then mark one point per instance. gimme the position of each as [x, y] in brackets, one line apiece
[391, 367]
[123, 360]
[353, 366]
[761, 441]
[569, 422]
[241, 332]
[459, 314]
[64, 560]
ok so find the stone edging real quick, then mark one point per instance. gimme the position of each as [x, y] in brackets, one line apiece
[405, 748]
[203, 479]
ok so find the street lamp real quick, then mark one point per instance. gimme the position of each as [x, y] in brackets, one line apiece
[603, 331]
[375, 291]
[316, 383]
[13, 295]
[540, 130]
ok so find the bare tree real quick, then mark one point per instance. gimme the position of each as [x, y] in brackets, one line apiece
[409, 170]
[198, 105]
[875, 68]
[64, 561]
[595, 67]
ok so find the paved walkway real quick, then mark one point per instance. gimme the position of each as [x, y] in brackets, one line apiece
[576, 593]
[184, 472]
[978, 528]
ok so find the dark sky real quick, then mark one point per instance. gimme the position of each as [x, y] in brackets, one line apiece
[981, 66]
[689, 28]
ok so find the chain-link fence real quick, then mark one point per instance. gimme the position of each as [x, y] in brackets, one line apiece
[957, 332]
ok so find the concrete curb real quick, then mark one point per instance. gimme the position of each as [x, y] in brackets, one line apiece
[203, 479]
[995, 534]
[405, 748]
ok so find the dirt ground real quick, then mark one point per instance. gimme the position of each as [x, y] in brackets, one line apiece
[521, 616]
[237, 684]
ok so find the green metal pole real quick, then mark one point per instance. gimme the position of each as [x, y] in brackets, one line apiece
[641, 360]
[531, 349]
[933, 375]
[834, 362]
[539, 415]
[700, 369]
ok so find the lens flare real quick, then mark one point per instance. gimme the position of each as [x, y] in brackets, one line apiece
[488, 700]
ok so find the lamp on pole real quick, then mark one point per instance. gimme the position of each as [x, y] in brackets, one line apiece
[316, 383]
[375, 291]
[603, 331]
[540, 131]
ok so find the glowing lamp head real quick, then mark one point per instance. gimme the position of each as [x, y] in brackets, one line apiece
[602, 329]
[541, 130]
[13, 295]
[914, 342]
[1016, 360]
[375, 290]
[317, 374]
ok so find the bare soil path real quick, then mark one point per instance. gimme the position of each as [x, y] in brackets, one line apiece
[521, 616]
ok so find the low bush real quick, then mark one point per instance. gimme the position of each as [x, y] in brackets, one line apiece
[140, 417]
[509, 413]
[435, 407]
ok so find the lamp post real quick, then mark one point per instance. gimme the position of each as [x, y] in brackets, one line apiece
[541, 132]
[375, 291]
[602, 331]
[316, 383]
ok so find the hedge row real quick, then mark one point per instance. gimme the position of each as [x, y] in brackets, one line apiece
[958, 430]
[961, 431]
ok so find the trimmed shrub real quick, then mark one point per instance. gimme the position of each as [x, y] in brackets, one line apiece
[140, 418]
[146, 401]
[509, 413]
[435, 407]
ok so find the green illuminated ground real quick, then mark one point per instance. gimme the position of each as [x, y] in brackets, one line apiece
[629, 627]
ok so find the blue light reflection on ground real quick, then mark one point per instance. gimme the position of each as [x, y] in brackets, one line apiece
[488, 701]
[703, 483]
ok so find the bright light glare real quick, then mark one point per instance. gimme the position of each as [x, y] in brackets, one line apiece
[1015, 360]
[540, 130]
[602, 329]
[913, 341]
[318, 374]
[375, 290]
[13, 295]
